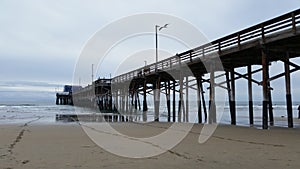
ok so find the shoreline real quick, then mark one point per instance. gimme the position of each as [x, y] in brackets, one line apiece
[279, 122]
[67, 146]
[47, 114]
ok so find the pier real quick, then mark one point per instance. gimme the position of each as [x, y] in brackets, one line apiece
[275, 40]
[65, 97]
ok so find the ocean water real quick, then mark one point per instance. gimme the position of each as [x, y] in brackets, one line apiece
[242, 114]
[45, 113]
[38, 113]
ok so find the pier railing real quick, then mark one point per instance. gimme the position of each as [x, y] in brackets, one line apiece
[288, 22]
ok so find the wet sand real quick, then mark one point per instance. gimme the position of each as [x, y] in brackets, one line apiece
[67, 146]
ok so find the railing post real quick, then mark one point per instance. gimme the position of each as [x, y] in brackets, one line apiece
[262, 33]
[239, 40]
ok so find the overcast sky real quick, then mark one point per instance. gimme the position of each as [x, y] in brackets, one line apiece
[41, 40]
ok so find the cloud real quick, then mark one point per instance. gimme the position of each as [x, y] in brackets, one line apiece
[29, 86]
[41, 40]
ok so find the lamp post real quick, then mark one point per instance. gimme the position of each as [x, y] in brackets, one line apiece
[92, 73]
[156, 42]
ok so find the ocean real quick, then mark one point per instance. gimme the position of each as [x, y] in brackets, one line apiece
[45, 113]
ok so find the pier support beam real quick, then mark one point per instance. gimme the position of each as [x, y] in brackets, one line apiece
[250, 97]
[138, 98]
[127, 100]
[186, 99]
[232, 102]
[199, 81]
[271, 117]
[288, 92]
[135, 99]
[168, 90]
[174, 101]
[116, 101]
[231, 95]
[180, 102]
[123, 100]
[212, 105]
[145, 107]
[110, 101]
[265, 90]
[156, 93]
[203, 101]
[57, 99]
[131, 97]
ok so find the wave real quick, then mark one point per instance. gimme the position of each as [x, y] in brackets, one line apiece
[18, 104]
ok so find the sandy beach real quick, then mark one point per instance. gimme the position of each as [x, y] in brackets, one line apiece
[67, 146]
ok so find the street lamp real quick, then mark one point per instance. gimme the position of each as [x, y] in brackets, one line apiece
[92, 73]
[156, 41]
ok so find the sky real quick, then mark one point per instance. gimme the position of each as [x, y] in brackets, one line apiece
[41, 41]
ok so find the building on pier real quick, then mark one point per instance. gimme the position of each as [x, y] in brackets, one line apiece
[98, 95]
[65, 97]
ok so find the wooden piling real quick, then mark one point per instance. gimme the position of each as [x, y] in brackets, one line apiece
[131, 95]
[228, 91]
[232, 102]
[250, 96]
[167, 91]
[270, 105]
[135, 99]
[186, 99]
[265, 90]
[117, 100]
[180, 97]
[127, 100]
[145, 107]
[123, 100]
[203, 100]
[156, 99]
[57, 99]
[138, 99]
[199, 100]
[212, 104]
[174, 101]
[288, 92]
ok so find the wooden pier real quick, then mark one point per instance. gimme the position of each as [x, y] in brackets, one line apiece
[276, 40]
[97, 95]
[64, 99]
